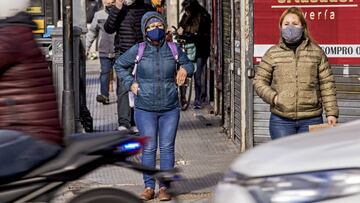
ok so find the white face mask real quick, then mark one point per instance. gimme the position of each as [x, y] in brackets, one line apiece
[129, 2]
[8, 9]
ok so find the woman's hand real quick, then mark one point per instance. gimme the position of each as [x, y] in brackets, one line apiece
[168, 36]
[180, 31]
[331, 120]
[119, 4]
[275, 100]
[134, 88]
[181, 76]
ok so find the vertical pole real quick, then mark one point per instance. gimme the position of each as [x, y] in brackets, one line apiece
[61, 9]
[249, 114]
[79, 15]
[68, 118]
[220, 48]
[177, 13]
[247, 49]
[172, 16]
[55, 11]
[231, 68]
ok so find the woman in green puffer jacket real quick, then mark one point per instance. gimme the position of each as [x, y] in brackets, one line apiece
[295, 78]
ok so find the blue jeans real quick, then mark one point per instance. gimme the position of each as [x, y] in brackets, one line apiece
[200, 63]
[282, 127]
[19, 152]
[106, 65]
[160, 126]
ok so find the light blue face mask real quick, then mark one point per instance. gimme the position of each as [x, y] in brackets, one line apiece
[292, 34]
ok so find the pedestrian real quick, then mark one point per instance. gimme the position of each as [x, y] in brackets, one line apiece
[125, 19]
[155, 83]
[92, 6]
[106, 49]
[295, 78]
[195, 24]
[30, 131]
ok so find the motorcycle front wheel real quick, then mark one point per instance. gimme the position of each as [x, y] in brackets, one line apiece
[105, 195]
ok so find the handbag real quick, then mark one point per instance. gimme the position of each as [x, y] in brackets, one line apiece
[190, 51]
[317, 127]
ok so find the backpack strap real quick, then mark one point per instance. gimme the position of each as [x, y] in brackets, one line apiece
[141, 50]
[174, 50]
[139, 55]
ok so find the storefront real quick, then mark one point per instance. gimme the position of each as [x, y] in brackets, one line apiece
[332, 25]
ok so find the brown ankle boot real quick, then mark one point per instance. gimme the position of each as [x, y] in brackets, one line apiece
[148, 194]
[164, 195]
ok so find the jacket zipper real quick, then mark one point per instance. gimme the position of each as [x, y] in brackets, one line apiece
[159, 76]
[297, 81]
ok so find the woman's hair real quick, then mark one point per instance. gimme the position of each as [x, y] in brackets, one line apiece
[190, 21]
[192, 6]
[297, 11]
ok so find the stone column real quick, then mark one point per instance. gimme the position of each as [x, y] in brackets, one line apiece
[172, 12]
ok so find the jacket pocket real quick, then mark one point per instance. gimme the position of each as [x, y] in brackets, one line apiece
[286, 101]
[143, 95]
[309, 99]
[172, 93]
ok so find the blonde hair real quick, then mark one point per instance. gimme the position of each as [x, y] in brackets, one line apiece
[297, 11]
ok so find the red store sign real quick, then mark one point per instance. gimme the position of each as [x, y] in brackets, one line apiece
[334, 24]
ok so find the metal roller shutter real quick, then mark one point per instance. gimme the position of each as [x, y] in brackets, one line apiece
[237, 76]
[226, 17]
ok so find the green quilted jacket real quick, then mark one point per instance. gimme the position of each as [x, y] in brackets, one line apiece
[302, 81]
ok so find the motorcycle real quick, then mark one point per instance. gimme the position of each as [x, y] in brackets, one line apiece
[84, 153]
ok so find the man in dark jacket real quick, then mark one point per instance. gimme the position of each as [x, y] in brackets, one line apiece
[125, 19]
[30, 131]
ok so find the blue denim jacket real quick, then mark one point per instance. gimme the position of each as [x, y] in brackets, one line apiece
[155, 74]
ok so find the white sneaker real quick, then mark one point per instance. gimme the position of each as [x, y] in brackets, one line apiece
[121, 128]
[134, 129]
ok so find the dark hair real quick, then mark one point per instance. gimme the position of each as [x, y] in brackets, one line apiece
[192, 6]
[195, 14]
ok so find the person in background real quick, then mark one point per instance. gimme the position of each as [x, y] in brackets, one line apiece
[30, 131]
[195, 25]
[92, 6]
[295, 78]
[155, 83]
[125, 20]
[106, 49]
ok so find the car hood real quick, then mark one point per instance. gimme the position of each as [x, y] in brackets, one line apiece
[333, 148]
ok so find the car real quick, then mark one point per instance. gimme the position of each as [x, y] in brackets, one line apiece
[322, 166]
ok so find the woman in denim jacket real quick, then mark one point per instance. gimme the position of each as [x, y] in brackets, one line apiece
[156, 102]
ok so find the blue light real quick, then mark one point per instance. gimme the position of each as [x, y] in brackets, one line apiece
[130, 146]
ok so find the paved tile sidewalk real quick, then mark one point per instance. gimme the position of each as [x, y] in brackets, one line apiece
[202, 152]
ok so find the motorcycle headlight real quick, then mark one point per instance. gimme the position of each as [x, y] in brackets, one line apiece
[300, 188]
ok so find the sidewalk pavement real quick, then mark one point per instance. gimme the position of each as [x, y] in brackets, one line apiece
[203, 153]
